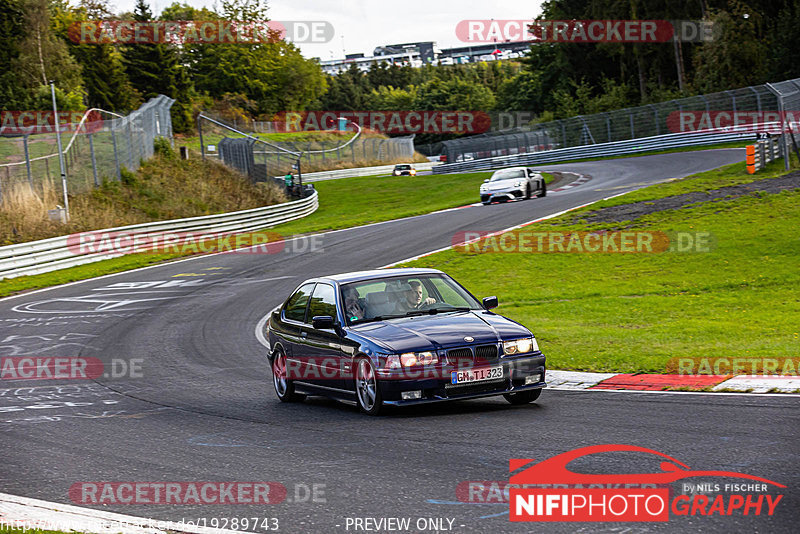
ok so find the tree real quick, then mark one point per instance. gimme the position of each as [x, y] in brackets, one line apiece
[107, 85]
[12, 30]
[737, 57]
[43, 56]
[154, 69]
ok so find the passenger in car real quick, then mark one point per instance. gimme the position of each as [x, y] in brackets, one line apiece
[354, 307]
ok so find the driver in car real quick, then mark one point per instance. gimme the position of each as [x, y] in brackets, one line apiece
[413, 298]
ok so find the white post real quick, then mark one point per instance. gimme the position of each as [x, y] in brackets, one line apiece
[60, 150]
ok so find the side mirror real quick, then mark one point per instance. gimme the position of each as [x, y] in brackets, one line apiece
[486, 180]
[490, 302]
[322, 322]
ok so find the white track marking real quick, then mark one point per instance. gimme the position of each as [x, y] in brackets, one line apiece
[27, 513]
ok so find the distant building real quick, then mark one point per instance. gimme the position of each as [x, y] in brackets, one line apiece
[418, 54]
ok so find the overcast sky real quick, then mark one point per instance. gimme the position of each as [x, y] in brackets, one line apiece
[365, 24]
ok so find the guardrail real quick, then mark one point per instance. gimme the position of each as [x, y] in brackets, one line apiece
[358, 171]
[763, 152]
[56, 253]
[616, 148]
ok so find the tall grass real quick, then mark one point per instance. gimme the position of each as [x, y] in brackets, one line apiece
[163, 188]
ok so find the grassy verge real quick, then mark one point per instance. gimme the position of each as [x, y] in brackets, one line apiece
[163, 188]
[343, 204]
[636, 312]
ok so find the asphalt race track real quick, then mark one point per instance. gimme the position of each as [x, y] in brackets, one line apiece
[200, 406]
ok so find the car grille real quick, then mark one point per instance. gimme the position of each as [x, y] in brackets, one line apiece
[455, 355]
[486, 353]
[481, 354]
[479, 387]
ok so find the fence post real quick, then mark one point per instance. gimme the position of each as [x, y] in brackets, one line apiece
[784, 139]
[27, 160]
[200, 131]
[94, 161]
[116, 154]
[758, 98]
[133, 165]
[608, 126]
[633, 133]
[8, 181]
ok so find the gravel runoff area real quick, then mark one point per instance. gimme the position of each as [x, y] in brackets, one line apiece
[629, 212]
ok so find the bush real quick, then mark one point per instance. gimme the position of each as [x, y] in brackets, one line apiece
[162, 147]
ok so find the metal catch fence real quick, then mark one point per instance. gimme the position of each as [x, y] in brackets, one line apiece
[683, 115]
[260, 157]
[94, 150]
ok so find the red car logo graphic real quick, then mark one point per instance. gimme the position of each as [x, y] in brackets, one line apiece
[554, 470]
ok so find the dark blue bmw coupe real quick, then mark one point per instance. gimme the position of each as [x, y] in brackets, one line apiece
[399, 337]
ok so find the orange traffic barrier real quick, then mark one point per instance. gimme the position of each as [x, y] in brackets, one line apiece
[751, 159]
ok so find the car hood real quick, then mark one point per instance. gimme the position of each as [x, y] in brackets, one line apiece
[503, 184]
[433, 332]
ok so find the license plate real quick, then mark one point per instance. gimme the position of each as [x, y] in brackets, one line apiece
[476, 375]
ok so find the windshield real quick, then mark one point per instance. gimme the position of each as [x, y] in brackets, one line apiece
[388, 298]
[508, 174]
[402, 167]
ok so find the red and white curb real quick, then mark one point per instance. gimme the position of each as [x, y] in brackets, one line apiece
[24, 513]
[582, 179]
[574, 380]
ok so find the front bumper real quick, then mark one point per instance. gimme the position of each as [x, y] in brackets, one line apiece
[502, 194]
[440, 389]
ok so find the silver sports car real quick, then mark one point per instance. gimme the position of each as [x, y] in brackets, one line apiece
[511, 184]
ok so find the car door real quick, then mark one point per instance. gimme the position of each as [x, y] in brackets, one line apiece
[323, 348]
[293, 317]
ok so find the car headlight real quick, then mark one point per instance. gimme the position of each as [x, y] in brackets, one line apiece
[410, 359]
[520, 346]
[413, 173]
[396, 173]
[518, 183]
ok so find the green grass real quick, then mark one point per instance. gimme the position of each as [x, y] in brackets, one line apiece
[362, 200]
[343, 204]
[635, 312]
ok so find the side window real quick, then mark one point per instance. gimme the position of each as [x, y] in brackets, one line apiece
[295, 308]
[323, 302]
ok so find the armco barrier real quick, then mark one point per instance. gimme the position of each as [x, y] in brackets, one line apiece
[359, 171]
[617, 148]
[53, 254]
[761, 153]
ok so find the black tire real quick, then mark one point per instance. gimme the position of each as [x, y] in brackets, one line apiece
[368, 394]
[284, 387]
[528, 192]
[543, 192]
[523, 397]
